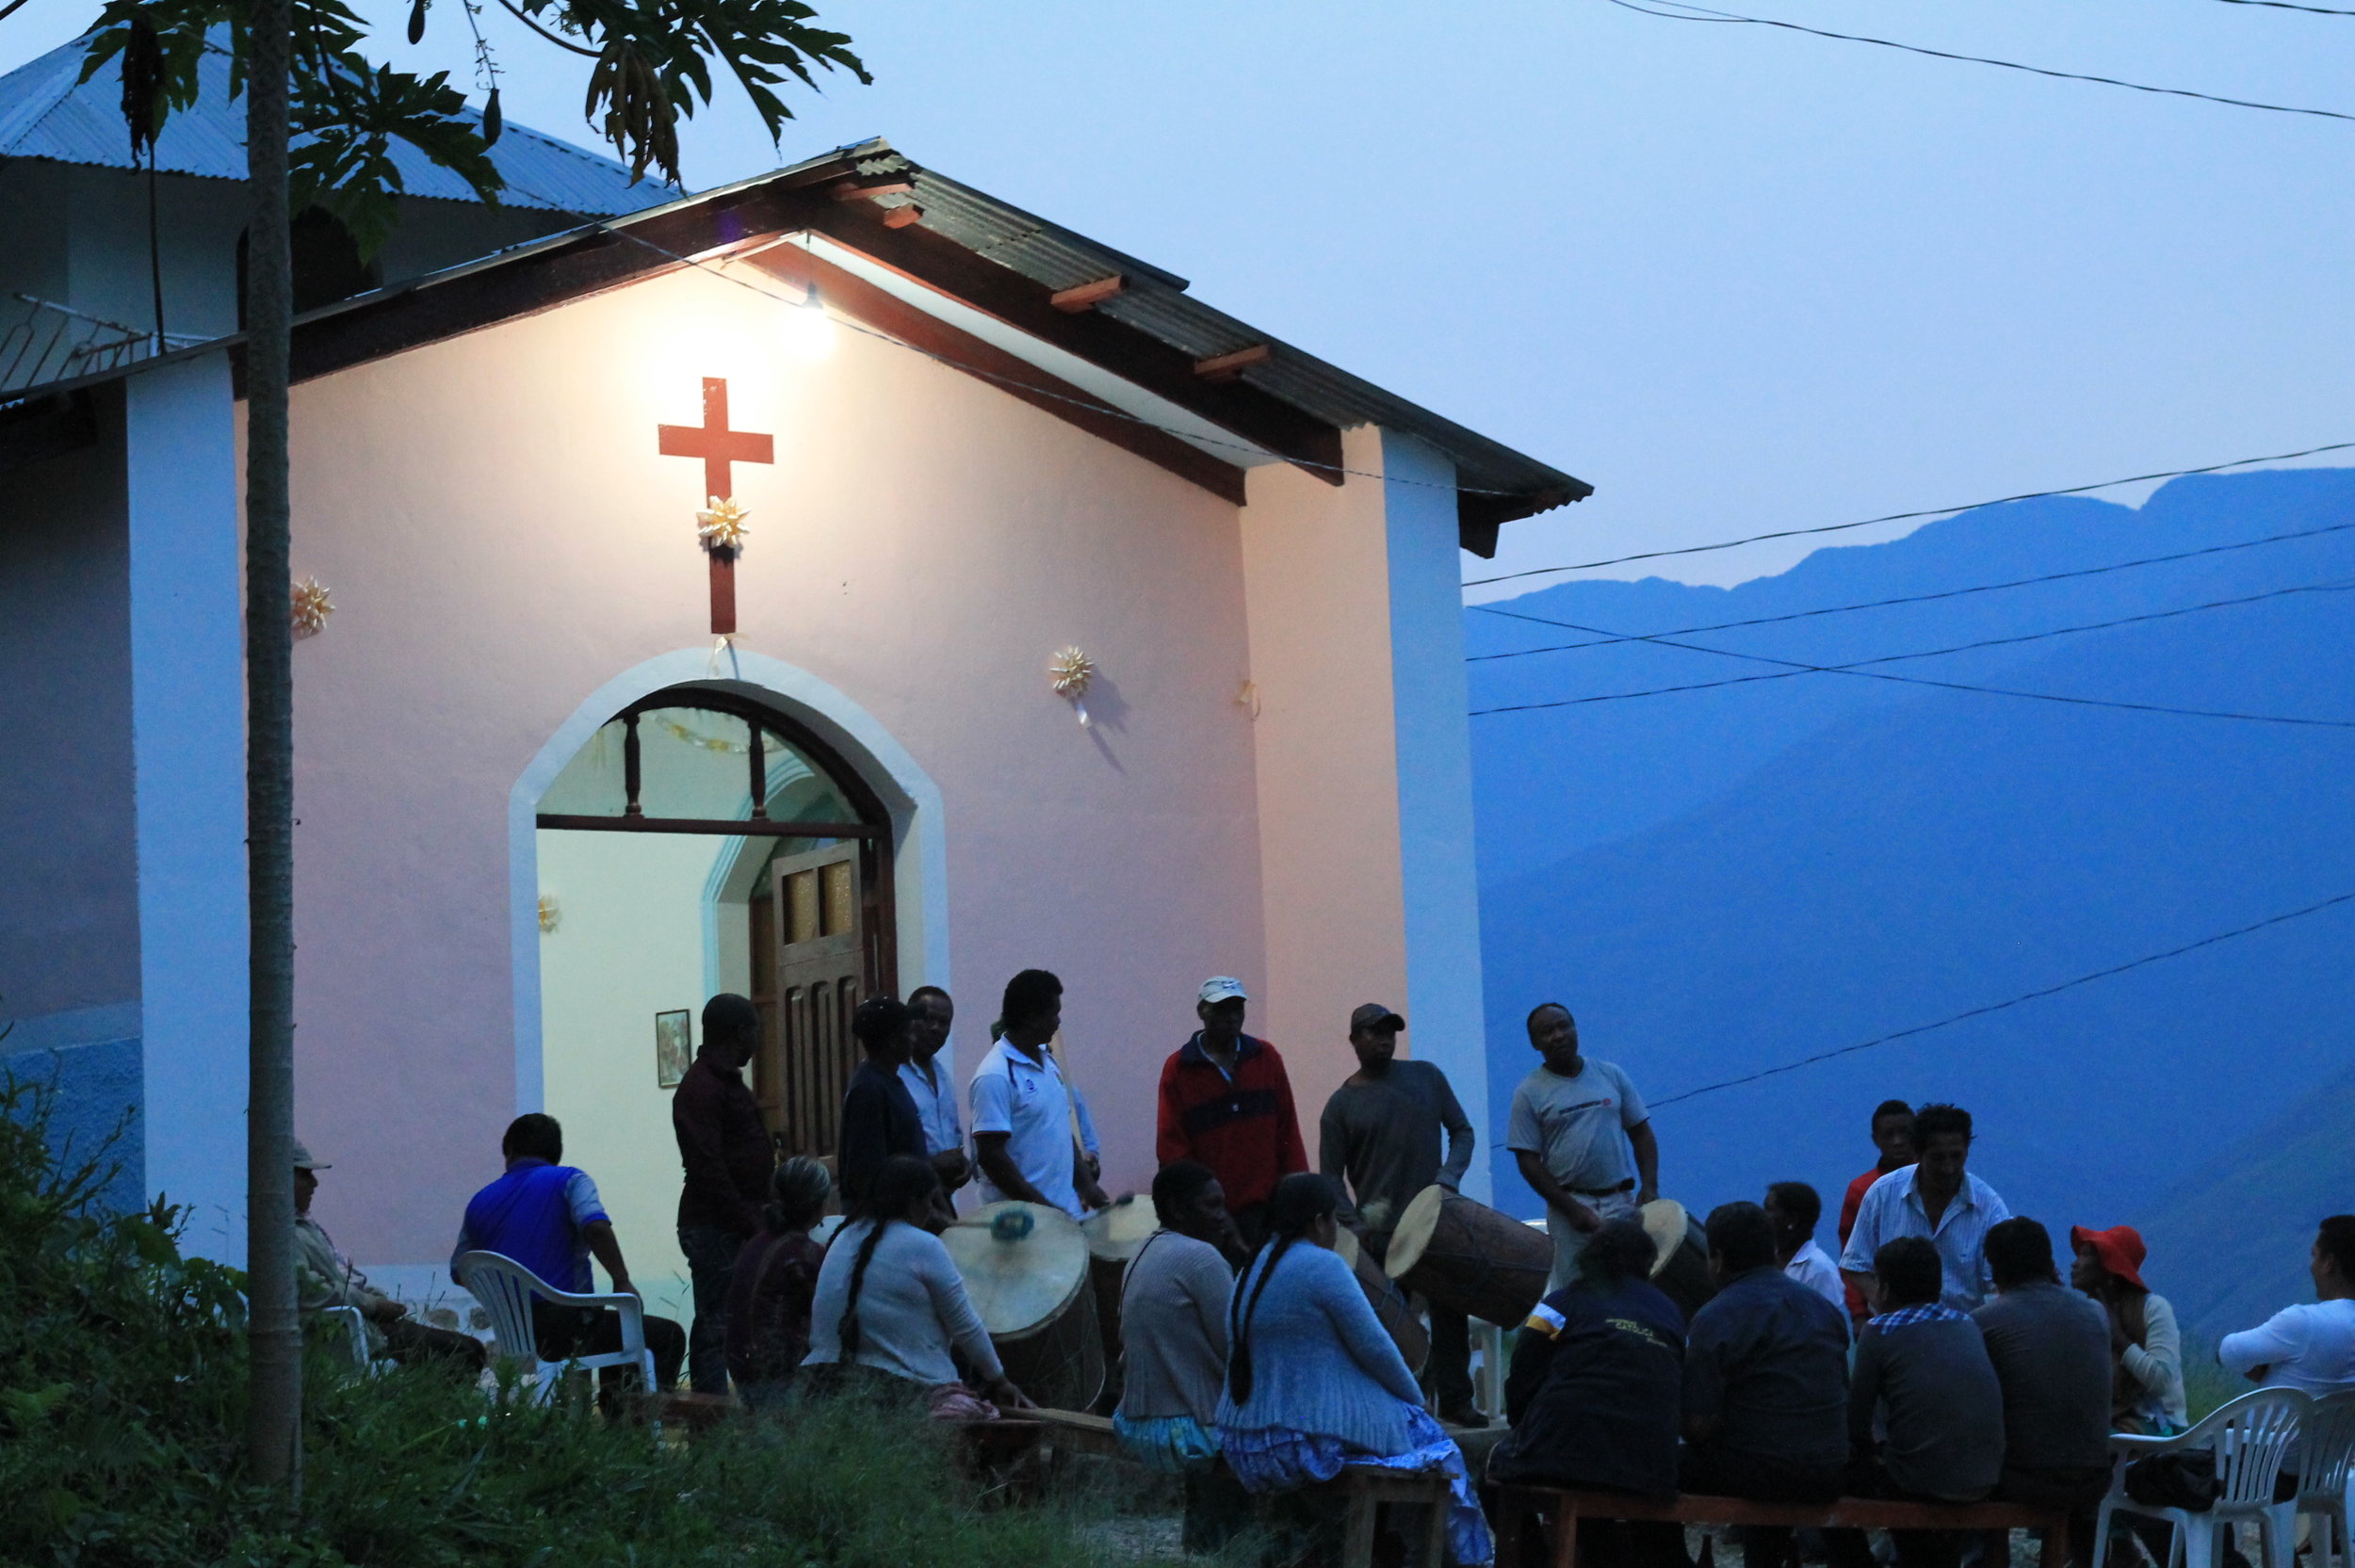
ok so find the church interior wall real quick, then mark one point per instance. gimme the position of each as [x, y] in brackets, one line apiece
[503, 540]
[69, 870]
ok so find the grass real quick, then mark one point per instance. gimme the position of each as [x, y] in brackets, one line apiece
[122, 1392]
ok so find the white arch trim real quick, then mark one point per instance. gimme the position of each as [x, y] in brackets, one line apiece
[919, 847]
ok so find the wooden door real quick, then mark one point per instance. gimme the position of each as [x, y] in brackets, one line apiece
[811, 954]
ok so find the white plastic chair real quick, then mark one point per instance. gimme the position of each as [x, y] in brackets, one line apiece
[353, 1325]
[2326, 1476]
[2250, 1436]
[506, 1289]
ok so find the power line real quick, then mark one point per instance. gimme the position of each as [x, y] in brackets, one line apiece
[1702, 13]
[1960, 647]
[2012, 1002]
[1910, 516]
[2285, 5]
[1798, 668]
[1880, 604]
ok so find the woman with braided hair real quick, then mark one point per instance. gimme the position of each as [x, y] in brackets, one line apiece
[891, 1306]
[775, 1278]
[1313, 1382]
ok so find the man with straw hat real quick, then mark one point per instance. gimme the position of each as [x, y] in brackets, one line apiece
[325, 1278]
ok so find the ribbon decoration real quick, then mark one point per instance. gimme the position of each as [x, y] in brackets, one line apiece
[1069, 675]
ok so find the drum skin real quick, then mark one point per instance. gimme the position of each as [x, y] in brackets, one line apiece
[1389, 1301]
[1465, 1256]
[1683, 1275]
[1026, 1267]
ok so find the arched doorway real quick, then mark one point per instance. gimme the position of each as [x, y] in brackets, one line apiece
[797, 884]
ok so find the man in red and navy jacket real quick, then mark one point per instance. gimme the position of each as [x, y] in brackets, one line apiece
[1227, 1103]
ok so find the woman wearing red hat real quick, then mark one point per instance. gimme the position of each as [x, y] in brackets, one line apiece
[2146, 1347]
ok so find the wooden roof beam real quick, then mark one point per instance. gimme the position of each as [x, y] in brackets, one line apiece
[1085, 297]
[1226, 367]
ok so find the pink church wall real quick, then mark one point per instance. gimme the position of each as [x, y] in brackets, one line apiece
[502, 538]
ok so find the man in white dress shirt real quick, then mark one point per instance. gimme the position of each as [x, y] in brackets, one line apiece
[1936, 1198]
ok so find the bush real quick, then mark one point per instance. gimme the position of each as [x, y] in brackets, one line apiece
[122, 1398]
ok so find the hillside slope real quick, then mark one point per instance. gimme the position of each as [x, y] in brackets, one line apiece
[1726, 881]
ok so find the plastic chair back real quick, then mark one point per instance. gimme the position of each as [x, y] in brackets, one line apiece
[2327, 1446]
[2250, 1437]
[505, 1288]
[355, 1330]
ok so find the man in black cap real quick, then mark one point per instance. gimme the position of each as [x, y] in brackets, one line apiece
[1379, 1138]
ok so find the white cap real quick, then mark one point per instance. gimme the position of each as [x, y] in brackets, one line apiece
[1220, 988]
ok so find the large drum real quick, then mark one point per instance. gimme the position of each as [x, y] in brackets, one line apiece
[1025, 1266]
[1465, 1256]
[1389, 1301]
[1115, 1235]
[1680, 1255]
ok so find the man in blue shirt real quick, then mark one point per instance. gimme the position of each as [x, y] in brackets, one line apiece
[546, 1215]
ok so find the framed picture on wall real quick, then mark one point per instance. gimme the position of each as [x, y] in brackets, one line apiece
[673, 1046]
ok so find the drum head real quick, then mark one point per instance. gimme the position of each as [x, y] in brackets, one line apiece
[1117, 1233]
[1346, 1245]
[1414, 1232]
[1665, 1221]
[1019, 1285]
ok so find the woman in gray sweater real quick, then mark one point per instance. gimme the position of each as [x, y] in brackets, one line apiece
[891, 1304]
[1313, 1382]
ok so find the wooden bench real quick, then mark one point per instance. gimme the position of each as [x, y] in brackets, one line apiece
[1366, 1487]
[1515, 1505]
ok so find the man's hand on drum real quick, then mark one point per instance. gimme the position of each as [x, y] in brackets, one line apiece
[1085, 1170]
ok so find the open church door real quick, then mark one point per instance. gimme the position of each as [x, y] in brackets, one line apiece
[812, 963]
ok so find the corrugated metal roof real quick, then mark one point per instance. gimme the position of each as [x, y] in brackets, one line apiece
[45, 113]
[1155, 303]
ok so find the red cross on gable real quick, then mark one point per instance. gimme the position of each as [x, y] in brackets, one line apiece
[713, 442]
[720, 447]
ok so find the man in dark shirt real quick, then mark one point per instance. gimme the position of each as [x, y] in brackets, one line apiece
[726, 1152]
[2051, 1348]
[1922, 1378]
[1380, 1134]
[1765, 1381]
[879, 1115]
[1892, 1138]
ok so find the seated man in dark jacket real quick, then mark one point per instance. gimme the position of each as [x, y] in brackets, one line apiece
[1765, 1381]
[1921, 1376]
[1595, 1391]
[2051, 1348]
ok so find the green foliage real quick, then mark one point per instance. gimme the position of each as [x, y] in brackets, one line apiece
[654, 62]
[121, 1394]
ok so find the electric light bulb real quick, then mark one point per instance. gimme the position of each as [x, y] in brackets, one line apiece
[809, 332]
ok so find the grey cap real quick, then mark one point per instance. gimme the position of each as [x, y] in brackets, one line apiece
[1373, 1015]
[302, 1160]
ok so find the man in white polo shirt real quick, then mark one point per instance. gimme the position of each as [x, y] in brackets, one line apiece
[1025, 1124]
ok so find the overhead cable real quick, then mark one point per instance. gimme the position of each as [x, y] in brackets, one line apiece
[2286, 5]
[2011, 1002]
[1684, 12]
[1797, 667]
[1908, 516]
[1881, 604]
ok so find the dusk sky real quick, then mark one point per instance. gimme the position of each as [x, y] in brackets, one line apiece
[1736, 278]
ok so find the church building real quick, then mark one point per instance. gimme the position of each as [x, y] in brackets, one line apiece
[832, 583]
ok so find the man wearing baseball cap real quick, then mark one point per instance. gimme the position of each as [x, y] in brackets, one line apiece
[1381, 1134]
[1227, 1103]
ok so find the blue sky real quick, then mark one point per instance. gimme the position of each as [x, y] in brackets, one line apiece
[1739, 280]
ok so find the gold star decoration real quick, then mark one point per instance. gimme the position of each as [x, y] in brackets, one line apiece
[313, 604]
[720, 524]
[1069, 672]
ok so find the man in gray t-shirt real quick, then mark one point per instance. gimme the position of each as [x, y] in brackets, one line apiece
[1583, 1138]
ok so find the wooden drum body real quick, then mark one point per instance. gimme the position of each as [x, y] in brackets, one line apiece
[1389, 1301]
[1026, 1267]
[1465, 1256]
[1115, 1235]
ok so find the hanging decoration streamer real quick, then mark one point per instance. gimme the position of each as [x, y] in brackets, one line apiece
[313, 604]
[1069, 672]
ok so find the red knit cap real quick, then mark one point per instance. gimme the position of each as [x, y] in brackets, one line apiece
[2119, 1248]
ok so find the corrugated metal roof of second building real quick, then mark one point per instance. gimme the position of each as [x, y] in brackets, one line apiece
[47, 112]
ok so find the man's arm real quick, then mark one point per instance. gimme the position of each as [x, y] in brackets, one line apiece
[2254, 1353]
[1865, 1239]
[1083, 1182]
[1170, 1142]
[1292, 1150]
[1333, 1159]
[1461, 1139]
[606, 1248]
[1647, 1148]
[1000, 1171]
[1558, 1198]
